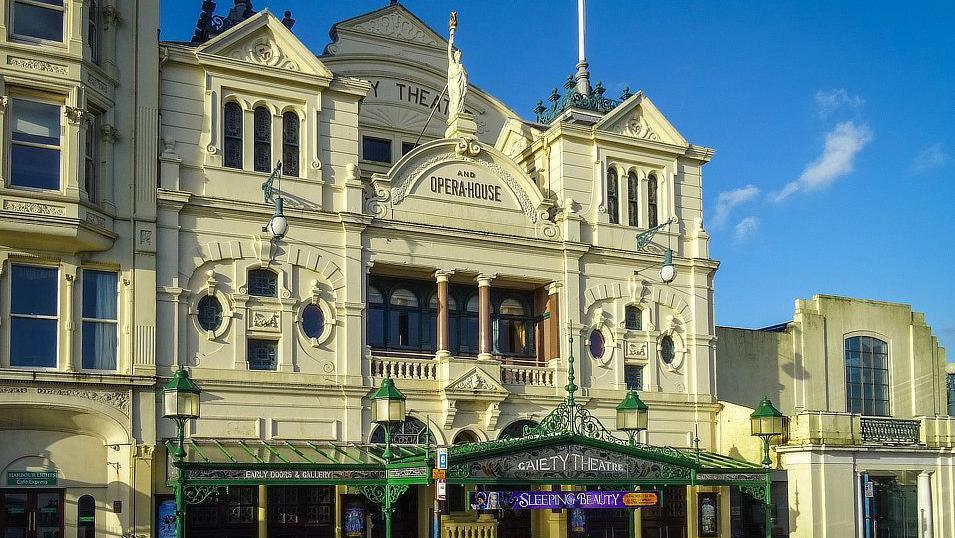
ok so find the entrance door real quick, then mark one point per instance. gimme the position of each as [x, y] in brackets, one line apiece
[404, 518]
[893, 509]
[669, 519]
[227, 515]
[301, 511]
[513, 523]
[31, 514]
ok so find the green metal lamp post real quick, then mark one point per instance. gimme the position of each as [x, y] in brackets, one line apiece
[388, 407]
[632, 418]
[632, 415]
[180, 403]
[766, 422]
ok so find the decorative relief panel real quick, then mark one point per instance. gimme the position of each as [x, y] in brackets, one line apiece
[264, 51]
[637, 127]
[114, 398]
[396, 26]
[34, 208]
[636, 349]
[37, 65]
[265, 321]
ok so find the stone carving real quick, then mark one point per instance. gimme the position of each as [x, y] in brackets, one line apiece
[97, 83]
[468, 147]
[111, 16]
[457, 75]
[14, 390]
[637, 127]
[475, 381]
[637, 349]
[265, 320]
[74, 114]
[264, 51]
[396, 26]
[93, 218]
[119, 400]
[110, 134]
[4, 100]
[34, 208]
[145, 237]
[37, 65]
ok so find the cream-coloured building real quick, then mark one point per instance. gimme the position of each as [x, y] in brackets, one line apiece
[78, 109]
[463, 251]
[869, 448]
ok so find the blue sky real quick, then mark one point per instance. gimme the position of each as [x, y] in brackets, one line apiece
[832, 123]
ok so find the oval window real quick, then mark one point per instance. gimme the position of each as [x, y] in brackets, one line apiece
[596, 342]
[667, 350]
[313, 321]
[209, 313]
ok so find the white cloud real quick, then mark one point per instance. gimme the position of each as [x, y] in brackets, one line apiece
[843, 143]
[745, 228]
[727, 200]
[930, 158]
[830, 101]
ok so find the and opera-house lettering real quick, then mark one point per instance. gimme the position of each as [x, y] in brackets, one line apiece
[465, 185]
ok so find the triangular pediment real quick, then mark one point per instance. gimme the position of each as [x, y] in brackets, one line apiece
[638, 117]
[476, 380]
[264, 42]
[393, 22]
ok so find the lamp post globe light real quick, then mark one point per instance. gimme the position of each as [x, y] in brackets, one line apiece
[668, 270]
[278, 224]
[388, 407]
[766, 422]
[180, 403]
[632, 415]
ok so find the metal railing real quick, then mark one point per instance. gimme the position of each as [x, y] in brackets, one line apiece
[890, 431]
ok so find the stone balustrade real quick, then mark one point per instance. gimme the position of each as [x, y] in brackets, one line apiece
[404, 368]
[485, 526]
[846, 429]
[534, 376]
[825, 428]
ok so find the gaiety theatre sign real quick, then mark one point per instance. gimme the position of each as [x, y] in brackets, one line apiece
[464, 185]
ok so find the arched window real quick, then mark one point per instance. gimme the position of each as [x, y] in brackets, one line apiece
[513, 328]
[232, 135]
[470, 325]
[633, 199]
[404, 320]
[652, 217]
[613, 197]
[262, 133]
[867, 376]
[410, 432]
[209, 313]
[376, 317]
[86, 517]
[634, 318]
[667, 349]
[263, 283]
[515, 430]
[290, 158]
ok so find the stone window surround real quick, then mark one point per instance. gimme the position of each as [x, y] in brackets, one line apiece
[665, 196]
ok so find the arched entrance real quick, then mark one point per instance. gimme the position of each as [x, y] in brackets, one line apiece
[404, 520]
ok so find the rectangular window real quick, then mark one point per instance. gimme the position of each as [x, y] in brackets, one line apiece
[34, 293]
[38, 19]
[633, 318]
[263, 354]
[633, 377]
[92, 32]
[100, 321]
[376, 149]
[35, 145]
[91, 152]
[406, 147]
[951, 395]
[867, 376]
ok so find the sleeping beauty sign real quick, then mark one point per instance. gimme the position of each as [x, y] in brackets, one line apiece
[531, 500]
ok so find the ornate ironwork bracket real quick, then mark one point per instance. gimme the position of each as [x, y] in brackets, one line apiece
[644, 238]
[376, 494]
[267, 188]
[198, 494]
[756, 491]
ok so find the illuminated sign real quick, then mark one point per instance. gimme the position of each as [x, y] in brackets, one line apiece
[550, 500]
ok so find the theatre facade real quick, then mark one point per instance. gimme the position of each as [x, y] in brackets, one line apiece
[466, 257]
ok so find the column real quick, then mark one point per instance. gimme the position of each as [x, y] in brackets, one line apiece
[261, 511]
[552, 325]
[925, 519]
[484, 316]
[442, 338]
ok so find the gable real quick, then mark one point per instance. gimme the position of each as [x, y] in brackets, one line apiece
[476, 380]
[263, 41]
[393, 22]
[639, 118]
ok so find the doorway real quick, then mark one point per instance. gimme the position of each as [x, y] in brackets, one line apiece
[669, 519]
[301, 511]
[31, 513]
[226, 515]
[404, 517]
[893, 509]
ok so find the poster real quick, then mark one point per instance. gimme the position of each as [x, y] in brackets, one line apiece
[166, 519]
[708, 505]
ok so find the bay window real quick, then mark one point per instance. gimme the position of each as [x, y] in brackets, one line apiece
[34, 324]
[100, 321]
[40, 20]
[34, 144]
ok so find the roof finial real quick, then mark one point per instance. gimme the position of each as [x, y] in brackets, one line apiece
[583, 75]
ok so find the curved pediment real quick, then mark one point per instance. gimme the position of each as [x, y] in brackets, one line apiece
[462, 183]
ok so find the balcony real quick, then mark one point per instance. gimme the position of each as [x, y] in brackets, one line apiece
[890, 431]
[43, 221]
[485, 526]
